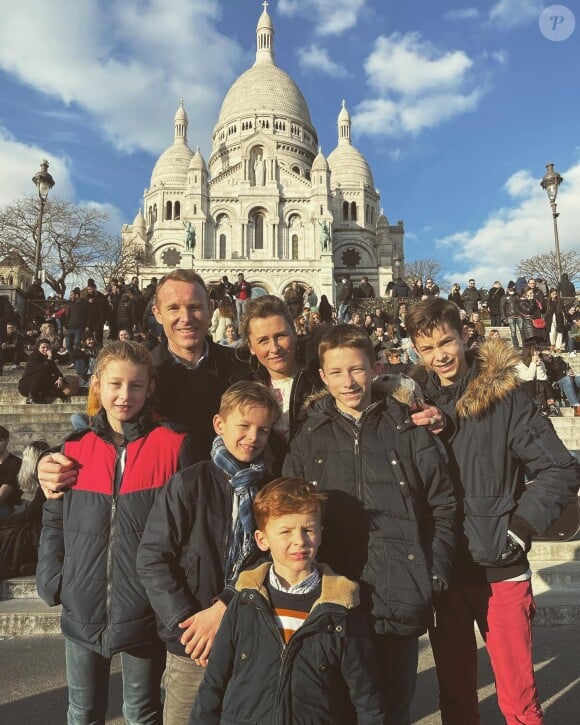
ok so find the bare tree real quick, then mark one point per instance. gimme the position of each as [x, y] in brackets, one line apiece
[544, 266]
[72, 237]
[422, 269]
[118, 260]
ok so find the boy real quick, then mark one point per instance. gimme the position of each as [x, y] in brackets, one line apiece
[391, 509]
[494, 431]
[198, 537]
[292, 647]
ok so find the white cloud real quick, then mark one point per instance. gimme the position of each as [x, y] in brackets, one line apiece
[21, 162]
[418, 86]
[462, 14]
[330, 17]
[124, 63]
[515, 232]
[316, 59]
[508, 14]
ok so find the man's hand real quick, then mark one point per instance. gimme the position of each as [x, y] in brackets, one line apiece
[429, 416]
[56, 473]
[200, 632]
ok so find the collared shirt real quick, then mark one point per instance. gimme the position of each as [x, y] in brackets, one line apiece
[306, 586]
[192, 366]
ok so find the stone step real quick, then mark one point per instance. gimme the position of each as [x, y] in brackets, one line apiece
[554, 551]
[21, 587]
[28, 617]
[557, 608]
[556, 576]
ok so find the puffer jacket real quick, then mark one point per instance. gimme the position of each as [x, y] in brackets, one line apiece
[89, 539]
[390, 517]
[494, 432]
[184, 548]
[510, 306]
[325, 669]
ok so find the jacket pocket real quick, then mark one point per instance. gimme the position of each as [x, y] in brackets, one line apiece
[316, 467]
[486, 526]
[400, 583]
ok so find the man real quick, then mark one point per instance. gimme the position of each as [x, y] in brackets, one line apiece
[344, 297]
[225, 288]
[366, 289]
[470, 298]
[493, 432]
[192, 371]
[538, 294]
[401, 288]
[10, 493]
[242, 293]
[76, 320]
[431, 289]
[12, 347]
[294, 299]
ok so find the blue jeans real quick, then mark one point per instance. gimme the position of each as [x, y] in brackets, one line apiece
[398, 659]
[570, 386]
[343, 312]
[74, 337]
[87, 673]
[515, 323]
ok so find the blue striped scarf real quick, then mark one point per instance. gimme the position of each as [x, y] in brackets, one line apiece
[244, 479]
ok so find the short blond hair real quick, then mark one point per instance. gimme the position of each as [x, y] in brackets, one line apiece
[249, 394]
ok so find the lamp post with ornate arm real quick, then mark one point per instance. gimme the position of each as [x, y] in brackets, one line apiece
[44, 183]
[550, 183]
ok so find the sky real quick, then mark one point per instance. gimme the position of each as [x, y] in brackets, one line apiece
[457, 105]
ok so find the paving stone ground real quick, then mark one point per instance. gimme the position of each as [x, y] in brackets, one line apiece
[33, 688]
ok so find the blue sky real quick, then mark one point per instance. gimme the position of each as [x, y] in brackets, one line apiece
[456, 105]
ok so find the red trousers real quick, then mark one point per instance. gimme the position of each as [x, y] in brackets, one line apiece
[503, 612]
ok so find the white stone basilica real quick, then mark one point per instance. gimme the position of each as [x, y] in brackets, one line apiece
[268, 203]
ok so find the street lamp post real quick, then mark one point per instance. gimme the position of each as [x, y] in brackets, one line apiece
[550, 183]
[44, 183]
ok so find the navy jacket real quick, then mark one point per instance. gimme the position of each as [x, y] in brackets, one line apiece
[390, 517]
[325, 669]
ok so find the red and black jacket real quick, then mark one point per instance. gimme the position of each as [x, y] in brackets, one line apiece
[89, 539]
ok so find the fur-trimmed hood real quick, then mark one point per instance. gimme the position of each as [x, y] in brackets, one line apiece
[336, 589]
[492, 376]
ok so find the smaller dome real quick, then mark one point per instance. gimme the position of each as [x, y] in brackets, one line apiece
[172, 165]
[180, 114]
[139, 222]
[344, 115]
[348, 166]
[320, 163]
[197, 161]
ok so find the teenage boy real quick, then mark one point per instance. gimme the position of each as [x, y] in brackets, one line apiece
[199, 535]
[390, 520]
[293, 646]
[494, 431]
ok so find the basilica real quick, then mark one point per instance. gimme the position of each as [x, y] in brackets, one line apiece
[267, 202]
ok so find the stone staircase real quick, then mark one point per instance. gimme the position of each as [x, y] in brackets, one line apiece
[555, 565]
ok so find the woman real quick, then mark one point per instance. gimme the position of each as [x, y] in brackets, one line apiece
[369, 325]
[455, 296]
[417, 290]
[230, 338]
[533, 324]
[534, 380]
[42, 381]
[494, 303]
[224, 315]
[269, 345]
[325, 310]
[555, 321]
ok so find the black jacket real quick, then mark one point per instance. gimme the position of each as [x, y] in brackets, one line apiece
[390, 517]
[327, 666]
[401, 289]
[509, 306]
[184, 548]
[77, 314]
[88, 545]
[345, 293]
[191, 396]
[494, 431]
[494, 299]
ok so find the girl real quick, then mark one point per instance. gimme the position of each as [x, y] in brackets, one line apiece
[90, 537]
[555, 320]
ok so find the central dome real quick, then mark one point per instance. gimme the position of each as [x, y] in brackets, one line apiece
[264, 87]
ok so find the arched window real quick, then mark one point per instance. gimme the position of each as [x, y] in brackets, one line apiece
[353, 211]
[177, 210]
[259, 231]
[168, 210]
[195, 208]
[372, 215]
[296, 169]
[295, 246]
[367, 214]
[222, 246]
[345, 211]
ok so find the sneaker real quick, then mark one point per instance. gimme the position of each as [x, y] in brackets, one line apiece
[573, 353]
[71, 366]
[553, 412]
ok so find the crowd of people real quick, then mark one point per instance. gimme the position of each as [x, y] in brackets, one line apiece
[272, 522]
